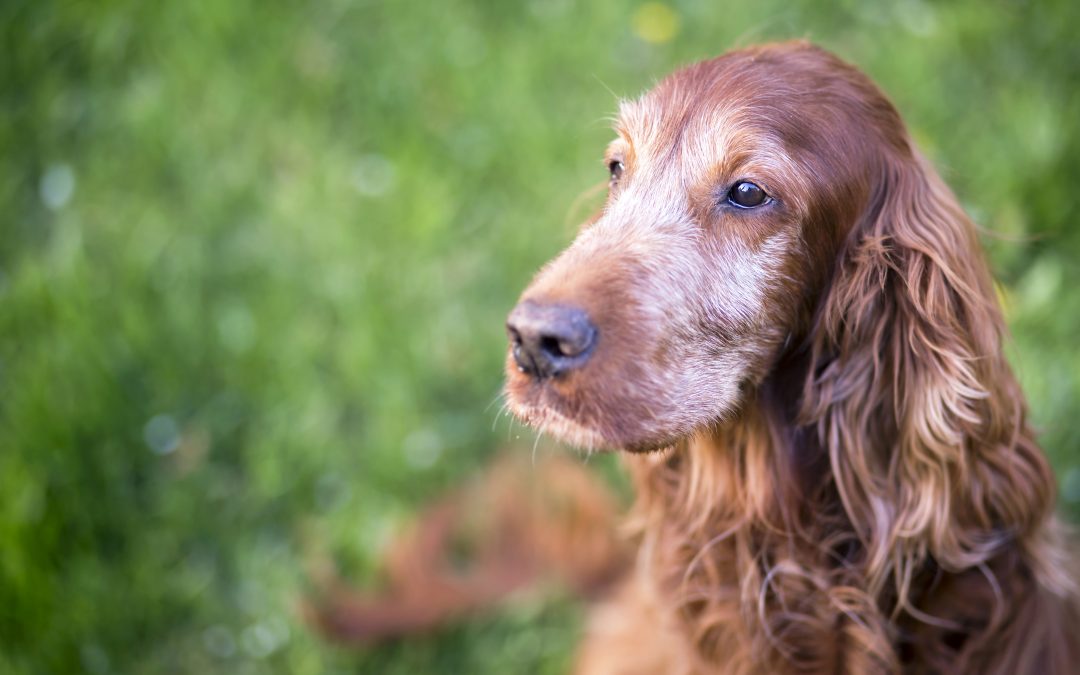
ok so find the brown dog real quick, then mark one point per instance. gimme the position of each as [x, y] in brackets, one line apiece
[784, 313]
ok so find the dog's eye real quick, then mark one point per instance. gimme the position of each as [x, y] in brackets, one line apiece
[616, 169]
[746, 195]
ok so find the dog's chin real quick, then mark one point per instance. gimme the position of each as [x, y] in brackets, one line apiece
[552, 423]
[552, 409]
[646, 446]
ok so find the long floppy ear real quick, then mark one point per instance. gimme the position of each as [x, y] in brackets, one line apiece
[911, 394]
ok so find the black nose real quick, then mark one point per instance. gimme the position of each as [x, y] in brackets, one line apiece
[549, 340]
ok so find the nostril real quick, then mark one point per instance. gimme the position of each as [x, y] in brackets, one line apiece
[554, 347]
[573, 341]
[551, 346]
[549, 340]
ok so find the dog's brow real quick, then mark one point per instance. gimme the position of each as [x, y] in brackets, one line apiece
[627, 113]
[619, 146]
[639, 120]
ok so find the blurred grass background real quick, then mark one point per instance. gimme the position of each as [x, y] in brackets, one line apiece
[255, 260]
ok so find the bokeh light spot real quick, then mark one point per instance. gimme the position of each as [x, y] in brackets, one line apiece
[422, 448]
[259, 640]
[236, 328]
[373, 175]
[219, 641]
[331, 491]
[1070, 485]
[57, 186]
[94, 659]
[655, 22]
[162, 434]
[917, 16]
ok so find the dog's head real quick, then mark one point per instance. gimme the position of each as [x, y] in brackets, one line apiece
[733, 184]
[772, 232]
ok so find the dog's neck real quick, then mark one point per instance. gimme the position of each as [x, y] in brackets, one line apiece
[750, 545]
[743, 530]
[758, 470]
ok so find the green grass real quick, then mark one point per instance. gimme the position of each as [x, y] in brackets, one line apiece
[255, 260]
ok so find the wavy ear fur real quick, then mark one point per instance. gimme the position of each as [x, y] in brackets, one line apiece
[911, 395]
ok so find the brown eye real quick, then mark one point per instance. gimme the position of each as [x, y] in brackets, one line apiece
[616, 169]
[746, 195]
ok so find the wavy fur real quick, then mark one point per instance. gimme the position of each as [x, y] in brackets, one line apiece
[872, 499]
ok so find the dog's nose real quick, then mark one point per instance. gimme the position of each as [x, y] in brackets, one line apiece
[548, 340]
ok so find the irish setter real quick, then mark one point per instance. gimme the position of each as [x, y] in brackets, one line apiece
[783, 315]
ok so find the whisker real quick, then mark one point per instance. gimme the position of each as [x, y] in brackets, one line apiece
[536, 442]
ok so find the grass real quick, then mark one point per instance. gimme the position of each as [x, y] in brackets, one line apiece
[256, 257]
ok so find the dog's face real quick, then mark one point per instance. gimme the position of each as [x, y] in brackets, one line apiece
[732, 186]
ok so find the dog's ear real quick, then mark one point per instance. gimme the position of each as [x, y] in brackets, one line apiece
[911, 394]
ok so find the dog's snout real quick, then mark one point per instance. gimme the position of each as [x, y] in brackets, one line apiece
[549, 340]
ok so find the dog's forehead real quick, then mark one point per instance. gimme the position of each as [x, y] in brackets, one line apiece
[785, 85]
[691, 127]
[783, 112]
[724, 84]
[706, 108]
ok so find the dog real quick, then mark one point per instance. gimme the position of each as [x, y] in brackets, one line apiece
[783, 317]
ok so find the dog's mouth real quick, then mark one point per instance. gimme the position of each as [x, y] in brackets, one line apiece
[577, 409]
[547, 404]
[549, 421]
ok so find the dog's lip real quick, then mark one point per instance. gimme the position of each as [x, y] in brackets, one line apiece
[550, 421]
[542, 405]
[538, 396]
[540, 409]
[649, 447]
[539, 403]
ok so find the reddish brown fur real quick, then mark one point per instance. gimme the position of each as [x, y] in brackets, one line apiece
[517, 526]
[842, 477]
